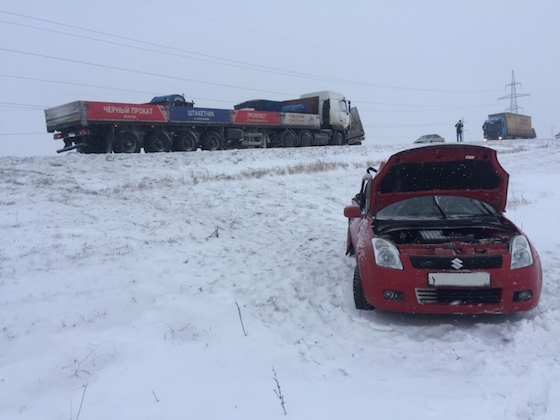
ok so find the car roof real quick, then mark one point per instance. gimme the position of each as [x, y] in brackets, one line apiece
[444, 169]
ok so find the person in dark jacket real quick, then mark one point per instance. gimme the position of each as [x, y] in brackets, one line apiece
[459, 128]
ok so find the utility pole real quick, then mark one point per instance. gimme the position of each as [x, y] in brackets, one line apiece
[513, 96]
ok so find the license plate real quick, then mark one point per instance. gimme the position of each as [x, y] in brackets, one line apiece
[459, 279]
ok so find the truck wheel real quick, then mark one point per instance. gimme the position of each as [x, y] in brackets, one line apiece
[211, 141]
[288, 139]
[185, 141]
[127, 142]
[359, 298]
[157, 141]
[305, 138]
[92, 144]
[337, 139]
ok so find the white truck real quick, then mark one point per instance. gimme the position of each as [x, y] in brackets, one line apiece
[171, 123]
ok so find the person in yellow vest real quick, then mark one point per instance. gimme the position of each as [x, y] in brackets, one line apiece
[459, 128]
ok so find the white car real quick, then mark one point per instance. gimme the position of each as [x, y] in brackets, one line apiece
[430, 138]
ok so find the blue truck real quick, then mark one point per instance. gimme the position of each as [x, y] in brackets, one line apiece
[507, 125]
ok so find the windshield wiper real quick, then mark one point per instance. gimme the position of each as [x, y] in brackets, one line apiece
[483, 206]
[436, 203]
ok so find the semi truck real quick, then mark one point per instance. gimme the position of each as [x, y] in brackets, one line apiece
[171, 123]
[507, 125]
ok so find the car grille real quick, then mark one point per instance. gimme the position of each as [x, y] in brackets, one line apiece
[447, 263]
[460, 295]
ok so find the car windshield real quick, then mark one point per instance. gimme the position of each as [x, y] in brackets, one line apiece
[436, 207]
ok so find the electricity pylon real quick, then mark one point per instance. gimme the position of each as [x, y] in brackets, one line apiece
[513, 96]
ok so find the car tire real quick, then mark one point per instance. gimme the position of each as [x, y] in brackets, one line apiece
[359, 298]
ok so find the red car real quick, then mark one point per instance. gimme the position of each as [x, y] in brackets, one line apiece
[429, 236]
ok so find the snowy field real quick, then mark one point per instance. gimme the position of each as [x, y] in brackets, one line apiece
[179, 286]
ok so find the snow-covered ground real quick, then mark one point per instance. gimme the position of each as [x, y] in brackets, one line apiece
[179, 286]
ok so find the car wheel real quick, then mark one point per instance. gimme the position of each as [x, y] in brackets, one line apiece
[359, 298]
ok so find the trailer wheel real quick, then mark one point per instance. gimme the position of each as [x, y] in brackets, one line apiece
[185, 141]
[337, 138]
[92, 144]
[211, 141]
[288, 139]
[127, 142]
[157, 141]
[305, 138]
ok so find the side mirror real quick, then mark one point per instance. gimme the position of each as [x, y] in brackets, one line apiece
[352, 212]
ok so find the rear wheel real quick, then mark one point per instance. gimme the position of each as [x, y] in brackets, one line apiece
[359, 298]
[288, 139]
[305, 138]
[211, 141]
[186, 141]
[93, 144]
[127, 142]
[157, 141]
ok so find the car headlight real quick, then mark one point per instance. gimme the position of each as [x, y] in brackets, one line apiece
[386, 254]
[520, 252]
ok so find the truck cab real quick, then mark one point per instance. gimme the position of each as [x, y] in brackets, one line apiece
[494, 128]
[334, 110]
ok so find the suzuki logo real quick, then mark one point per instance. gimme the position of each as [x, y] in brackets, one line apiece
[457, 263]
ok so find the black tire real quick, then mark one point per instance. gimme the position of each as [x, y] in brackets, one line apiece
[288, 139]
[305, 138]
[127, 142]
[211, 141]
[359, 298]
[157, 141]
[185, 141]
[93, 145]
[337, 138]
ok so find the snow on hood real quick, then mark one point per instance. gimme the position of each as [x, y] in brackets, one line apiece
[443, 169]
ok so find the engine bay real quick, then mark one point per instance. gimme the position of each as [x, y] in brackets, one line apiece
[472, 235]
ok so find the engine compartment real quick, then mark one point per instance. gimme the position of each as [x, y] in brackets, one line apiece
[471, 235]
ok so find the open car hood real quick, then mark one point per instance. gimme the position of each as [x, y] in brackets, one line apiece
[444, 169]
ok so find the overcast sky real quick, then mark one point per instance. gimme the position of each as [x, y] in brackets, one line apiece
[411, 67]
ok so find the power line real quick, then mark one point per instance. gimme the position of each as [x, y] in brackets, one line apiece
[146, 73]
[230, 63]
[228, 101]
[234, 63]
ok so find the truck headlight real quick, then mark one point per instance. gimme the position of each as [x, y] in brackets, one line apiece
[386, 254]
[520, 252]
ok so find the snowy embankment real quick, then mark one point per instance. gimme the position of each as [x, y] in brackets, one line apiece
[169, 286]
